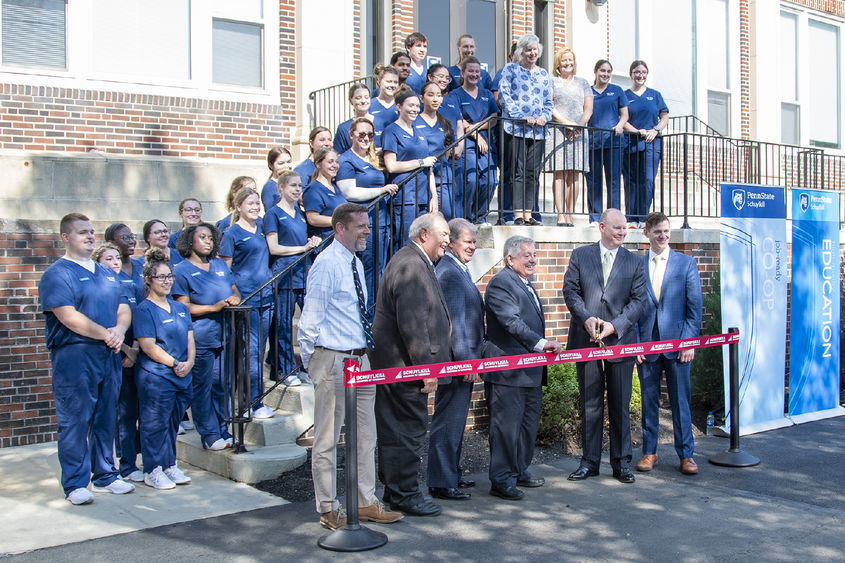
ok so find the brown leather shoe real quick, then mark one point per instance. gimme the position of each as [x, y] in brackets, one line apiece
[688, 466]
[647, 462]
[378, 514]
[333, 520]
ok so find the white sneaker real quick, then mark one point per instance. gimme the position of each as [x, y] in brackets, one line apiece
[186, 425]
[219, 444]
[292, 381]
[180, 430]
[303, 377]
[175, 474]
[137, 476]
[80, 496]
[263, 412]
[116, 487]
[158, 480]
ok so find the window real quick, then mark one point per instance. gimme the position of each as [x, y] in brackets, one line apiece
[34, 33]
[433, 22]
[541, 30]
[790, 123]
[790, 111]
[481, 20]
[624, 48]
[719, 112]
[237, 53]
[824, 96]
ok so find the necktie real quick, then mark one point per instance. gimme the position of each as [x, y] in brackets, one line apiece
[468, 275]
[606, 265]
[362, 308]
[533, 293]
[657, 277]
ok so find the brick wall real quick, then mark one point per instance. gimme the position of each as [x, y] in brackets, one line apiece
[401, 23]
[745, 69]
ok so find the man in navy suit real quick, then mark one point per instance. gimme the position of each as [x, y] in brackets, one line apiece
[452, 398]
[604, 289]
[515, 323]
[672, 311]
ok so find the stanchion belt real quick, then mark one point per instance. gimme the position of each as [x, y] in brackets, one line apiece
[449, 369]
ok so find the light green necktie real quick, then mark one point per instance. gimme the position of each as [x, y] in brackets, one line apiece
[606, 265]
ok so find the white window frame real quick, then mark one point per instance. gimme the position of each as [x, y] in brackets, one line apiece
[734, 79]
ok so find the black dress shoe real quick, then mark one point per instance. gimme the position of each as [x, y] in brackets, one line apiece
[465, 483]
[582, 473]
[448, 494]
[424, 508]
[531, 482]
[624, 475]
[519, 221]
[533, 222]
[509, 493]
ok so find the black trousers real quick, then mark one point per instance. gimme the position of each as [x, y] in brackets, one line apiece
[451, 405]
[514, 419]
[402, 422]
[523, 162]
[593, 377]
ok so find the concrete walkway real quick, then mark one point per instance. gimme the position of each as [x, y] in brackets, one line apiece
[790, 507]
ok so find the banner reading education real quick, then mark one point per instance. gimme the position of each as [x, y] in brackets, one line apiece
[814, 319]
[753, 262]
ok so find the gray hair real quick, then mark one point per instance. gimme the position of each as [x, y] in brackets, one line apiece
[525, 42]
[457, 226]
[425, 221]
[512, 246]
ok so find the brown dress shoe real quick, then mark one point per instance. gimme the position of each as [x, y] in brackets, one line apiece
[333, 520]
[378, 514]
[688, 466]
[647, 462]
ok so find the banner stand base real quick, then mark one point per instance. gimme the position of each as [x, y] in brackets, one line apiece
[352, 538]
[734, 458]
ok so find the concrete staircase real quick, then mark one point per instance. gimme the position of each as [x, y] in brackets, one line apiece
[270, 443]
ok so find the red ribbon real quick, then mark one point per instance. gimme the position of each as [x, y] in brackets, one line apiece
[355, 378]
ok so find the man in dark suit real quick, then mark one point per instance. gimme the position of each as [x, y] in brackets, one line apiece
[604, 289]
[672, 311]
[411, 327]
[515, 323]
[451, 401]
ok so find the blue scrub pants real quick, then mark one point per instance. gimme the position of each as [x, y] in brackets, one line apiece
[445, 200]
[403, 216]
[162, 403]
[208, 402]
[639, 170]
[128, 442]
[678, 385]
[476, 175]
[287, 300]
[372, 258]
[260, 318]
[86, 382]
[609, 159]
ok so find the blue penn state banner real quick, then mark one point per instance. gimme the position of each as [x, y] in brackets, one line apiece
[753, 261]
[814, 313]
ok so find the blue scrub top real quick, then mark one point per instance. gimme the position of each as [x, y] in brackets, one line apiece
[606, 108]
[96, 295]
[138, 269]
[270, 195]
[204, 288]
[494, 85]
[365, 175]
[342, 141]
[451, 111]
[171, 242]
[475, 110]
[170, 330]
[486, 82]
[250, 258]
[407, 147]
[319, 198]
[644, 111]
[305, 169]
[290, 231]
[416, 80]
[130, 283]
[382, 117]
[435, 138]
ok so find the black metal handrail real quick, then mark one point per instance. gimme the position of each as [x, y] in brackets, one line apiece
[330, 106]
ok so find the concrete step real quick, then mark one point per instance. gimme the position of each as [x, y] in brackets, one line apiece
[298, 401]
[284, 428]
[259, 463]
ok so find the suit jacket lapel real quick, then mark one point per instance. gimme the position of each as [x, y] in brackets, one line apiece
[649, 288]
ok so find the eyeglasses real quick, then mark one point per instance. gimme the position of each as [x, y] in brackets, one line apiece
[367, 135]
[192, 209]
[160, 232]
[163, 277]
[128, 237]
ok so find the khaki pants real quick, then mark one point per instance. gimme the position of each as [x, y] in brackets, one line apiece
[326, 371]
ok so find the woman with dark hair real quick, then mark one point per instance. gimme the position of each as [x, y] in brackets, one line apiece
[190, 211]
[278, 161]
[165, 333]
[205, 284]
[359, 99]
[439, 74]
[439, 134]
[237, 184]
[382, 106]
[610, 113]
[322, 195]
[286, 232]
[648, 114]
[319, 138]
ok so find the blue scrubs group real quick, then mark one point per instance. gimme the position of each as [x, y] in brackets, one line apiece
[606, 150]
[411, 200]
[382, 117]
[128, 439]
[318, 197]
[435, 137]
[639, 166]
[86, 372]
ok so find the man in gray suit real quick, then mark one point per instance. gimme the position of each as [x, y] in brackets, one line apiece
[411, 327]
[451, 401]
[604, 289]
[515, 323]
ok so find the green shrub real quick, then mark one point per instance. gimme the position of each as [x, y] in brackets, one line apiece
[707, 380]
[560, 403]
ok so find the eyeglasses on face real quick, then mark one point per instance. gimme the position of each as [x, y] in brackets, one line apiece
[127, 237]
[163, 277]
[191, 209]
[160, 232]
[365, 135]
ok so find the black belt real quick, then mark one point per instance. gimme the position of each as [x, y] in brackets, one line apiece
[355, 352]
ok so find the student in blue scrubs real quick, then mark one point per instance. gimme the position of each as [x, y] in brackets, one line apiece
[236, 185]
[439, 134]
[466, 48]
[360, 178]
[416, 44]
[476, 171]
[205, 284]
[86, 316]
[190, 212]
[244, 249]
[610, 112]
[648, 114]
[322, 195]
[278, 161]
[164, 330]
[359, 99]
[156, 235]
[319, 138]
[286, 232]
[383, 107]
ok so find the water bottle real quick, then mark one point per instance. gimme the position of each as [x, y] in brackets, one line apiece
[711, 423]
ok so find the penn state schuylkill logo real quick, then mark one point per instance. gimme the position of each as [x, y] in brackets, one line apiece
[738, 198]
[804, 202]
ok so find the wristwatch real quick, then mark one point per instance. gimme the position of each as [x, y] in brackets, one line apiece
[175, 363]
[421, 162]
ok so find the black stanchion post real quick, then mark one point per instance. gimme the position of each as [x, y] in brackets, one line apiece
[353, 536]
[734, 457]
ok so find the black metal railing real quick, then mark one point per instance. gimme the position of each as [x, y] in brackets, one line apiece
[330, 106]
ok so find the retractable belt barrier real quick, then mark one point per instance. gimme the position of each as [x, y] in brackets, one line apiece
[355, 378]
